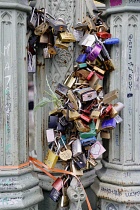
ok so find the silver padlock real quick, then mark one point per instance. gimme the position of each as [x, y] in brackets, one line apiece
[76, 148]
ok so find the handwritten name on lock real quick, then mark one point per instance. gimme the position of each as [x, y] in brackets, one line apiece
[97, 149]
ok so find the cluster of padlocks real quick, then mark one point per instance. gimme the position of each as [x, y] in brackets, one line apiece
[86, 112]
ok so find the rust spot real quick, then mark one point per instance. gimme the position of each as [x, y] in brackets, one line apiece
[25, 58]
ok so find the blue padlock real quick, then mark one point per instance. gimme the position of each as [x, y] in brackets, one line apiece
[88, 141]
[81, 58]
[109, 123]
[111, 41]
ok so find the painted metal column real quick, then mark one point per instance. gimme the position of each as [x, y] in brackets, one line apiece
[118, 184]
[18, 187]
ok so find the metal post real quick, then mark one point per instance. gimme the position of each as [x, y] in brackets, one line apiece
[118, 185]
[19, 187]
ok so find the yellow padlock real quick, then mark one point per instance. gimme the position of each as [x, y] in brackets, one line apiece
[52, 157]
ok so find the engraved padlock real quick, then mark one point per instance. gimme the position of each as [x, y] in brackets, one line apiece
[95, 52]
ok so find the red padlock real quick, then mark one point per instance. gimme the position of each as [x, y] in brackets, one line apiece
[85, 118]
[103, 35]
[90, 75]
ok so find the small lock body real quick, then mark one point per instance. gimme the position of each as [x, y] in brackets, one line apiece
[105, 135]
[58, 184]
[72, 99]
[87, 40]
[85, 118]
[109, 124]
[103, 35]
[67, 37]
[81, 58]
[76, 148]
[89, 134]
[94, 53]
[51, 159]
[81, 126]
[110, 96]
[86, 94]
[82, 65]
[109, 65]
[95, 114]
[88, 141]
[59, 44]
[69, 82]
[75, 170]
[61, 90]
[55, 195]
[79, 162]
[50, 135]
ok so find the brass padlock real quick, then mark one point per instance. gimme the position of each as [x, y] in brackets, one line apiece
[59, 44]
[105, 135]
[70, 80]
[81, 126]
[110, 96]
[72, 99]
[98, 70]
[98, 125]
[94, 81]
[52, 157]
[109, 65]
[95, 114]
[82, 73]
[61, 90]
[98, 88]
[44, 38]
[90, 23]
[67, 37]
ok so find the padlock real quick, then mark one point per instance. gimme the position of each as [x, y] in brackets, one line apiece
[90, 23]
[58, 183]
[79, 162]
[118, 119]
[109, 65]
[67, 37]
[87, 40]
[113, 113]
[57, 25]
[94, 81]
[108, 124]
[72, 99]
[98, 70]
[64, 199]
[88, 49]
[103, 35]
[85, 118]
[32, 23]
[82, 73]
[98, 88]
[95, 114]
[94, 52]
[118, 106]
[76, 148]
[51, 50]
[81, 126]
[52, 121]
[66, 154]
[88, 141]
[105, 135]
[92, 162]
[43, 38]
[75, 170]
[78, 35]
[52, 157]
[46, 53]
[60, 44]
[63, 121]
[89, 134]
[70, 80]
[50, 135]
[98, 125]
[96, 150]
[81, 26]
[105, 111]
[41, 28]
[55, 195]
[61, 90]
[86, 94]
[111, 41]
[81, 58]
[82, 65]
[60, 127]
[73, 115]
[110, 96]
[90, 75]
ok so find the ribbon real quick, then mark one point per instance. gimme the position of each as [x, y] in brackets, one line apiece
[46, 170]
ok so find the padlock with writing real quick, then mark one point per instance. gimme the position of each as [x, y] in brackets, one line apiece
[88, 141]
[86, 94]
[110, 96]
[72, 99]
[66, 153]
[67, 37]
[75, 170]
[55, 195]
[81, 126]
[60, 44]
[32, 23]
[70, 80]
[87, 40]
[79, 162]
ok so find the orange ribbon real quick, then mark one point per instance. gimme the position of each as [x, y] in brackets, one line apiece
[45, 169]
